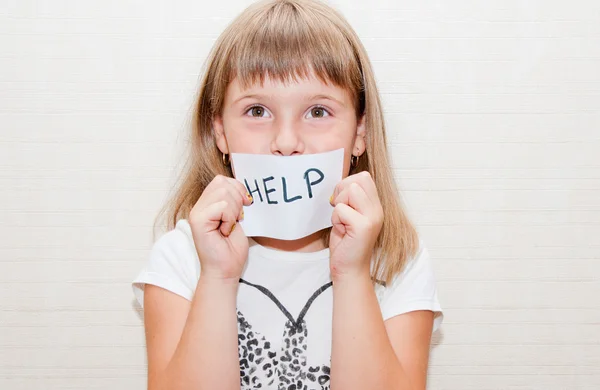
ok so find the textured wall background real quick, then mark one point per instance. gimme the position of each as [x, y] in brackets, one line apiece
[493, 113]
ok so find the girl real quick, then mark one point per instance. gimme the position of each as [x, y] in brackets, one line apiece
[351, 307]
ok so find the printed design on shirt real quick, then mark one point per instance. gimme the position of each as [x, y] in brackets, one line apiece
[288, 367]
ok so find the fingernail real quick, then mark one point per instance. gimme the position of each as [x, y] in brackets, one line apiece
[232, 227]
[242, 215]
[331, 199]
[250, 198]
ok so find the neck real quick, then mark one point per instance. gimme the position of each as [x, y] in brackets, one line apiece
[311, 243]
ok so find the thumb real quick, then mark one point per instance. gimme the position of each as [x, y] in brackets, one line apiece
[343, 218]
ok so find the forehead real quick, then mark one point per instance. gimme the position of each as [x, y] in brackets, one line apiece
[299, 86]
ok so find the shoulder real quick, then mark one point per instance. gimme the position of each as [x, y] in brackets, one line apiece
[176, 246]
[414, 288]
[418, 265]
[178, 240]
[172, 264]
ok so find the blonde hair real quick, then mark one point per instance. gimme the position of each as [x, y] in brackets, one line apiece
[286, 39]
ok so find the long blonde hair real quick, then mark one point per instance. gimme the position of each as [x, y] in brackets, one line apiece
[286, 39]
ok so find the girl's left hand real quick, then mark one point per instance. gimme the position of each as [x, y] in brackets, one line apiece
[357, 220]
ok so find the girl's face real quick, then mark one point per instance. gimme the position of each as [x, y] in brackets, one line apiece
[299, 118]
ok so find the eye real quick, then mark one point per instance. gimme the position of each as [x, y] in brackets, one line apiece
[319, 112]
[256, 111]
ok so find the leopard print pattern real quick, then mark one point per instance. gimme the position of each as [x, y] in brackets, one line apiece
[289, 367]
[260, 364]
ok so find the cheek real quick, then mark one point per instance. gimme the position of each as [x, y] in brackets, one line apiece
[334, 139]
[246, 140]
[347, 156]
[330, 142]
[247, 144]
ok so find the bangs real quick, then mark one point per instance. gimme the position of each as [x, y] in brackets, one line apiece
[287, 43]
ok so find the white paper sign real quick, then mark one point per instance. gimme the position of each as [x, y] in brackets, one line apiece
[291, 193]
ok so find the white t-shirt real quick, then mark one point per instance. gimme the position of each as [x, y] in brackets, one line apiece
[284, 305]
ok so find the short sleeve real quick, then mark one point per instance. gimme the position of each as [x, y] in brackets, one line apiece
[172, 264]
[413, 289]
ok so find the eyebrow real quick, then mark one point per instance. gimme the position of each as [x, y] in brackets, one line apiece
[328, 97]
[314, 97]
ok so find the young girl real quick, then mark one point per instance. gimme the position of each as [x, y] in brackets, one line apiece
[351, 307]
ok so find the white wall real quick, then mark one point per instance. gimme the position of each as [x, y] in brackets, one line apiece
[493, 111]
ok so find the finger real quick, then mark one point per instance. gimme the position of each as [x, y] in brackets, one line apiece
[229, 219]
[241, 189]
[345, 218]
[225, 192]
[337, 190]
[232, 214]
[224, 213]
[221, 183]
[236, 204]
[363, 179]
[237, 234]
[341, 187]
[217, 215]
[241, 197]
[355, 197]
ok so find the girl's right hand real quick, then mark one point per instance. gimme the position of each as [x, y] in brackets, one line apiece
[222, 246]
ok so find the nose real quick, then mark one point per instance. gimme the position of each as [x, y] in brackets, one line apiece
[287, 140]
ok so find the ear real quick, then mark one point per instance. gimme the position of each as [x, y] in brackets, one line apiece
[359, 141]
[219, 133]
